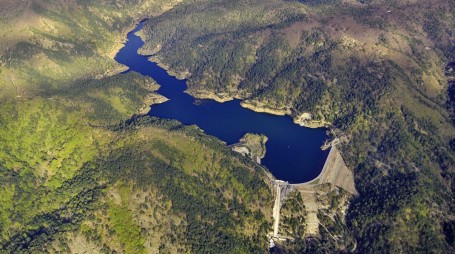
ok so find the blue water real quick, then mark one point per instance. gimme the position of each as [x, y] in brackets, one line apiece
[293, 152]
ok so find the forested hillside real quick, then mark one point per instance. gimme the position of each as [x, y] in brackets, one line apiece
[377, 71]
[82, 172]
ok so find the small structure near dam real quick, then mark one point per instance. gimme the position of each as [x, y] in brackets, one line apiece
[281, 190]
[335, 174]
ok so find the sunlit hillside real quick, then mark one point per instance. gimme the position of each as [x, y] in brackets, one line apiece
[81, 173]
[373, 70]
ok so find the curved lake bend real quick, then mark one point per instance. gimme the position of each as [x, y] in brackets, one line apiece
[293, 152]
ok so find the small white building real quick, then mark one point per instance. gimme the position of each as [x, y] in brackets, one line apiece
[272, 244]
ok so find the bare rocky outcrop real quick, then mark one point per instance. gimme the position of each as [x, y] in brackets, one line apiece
[252, 145]
[203, 95]
[306, 120]
[151, 99]
[263, 108]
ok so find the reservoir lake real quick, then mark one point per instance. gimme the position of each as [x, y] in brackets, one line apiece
[293, 152]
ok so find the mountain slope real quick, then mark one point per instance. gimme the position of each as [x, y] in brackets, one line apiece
[374, 70]
[82, 172]
[78, 176]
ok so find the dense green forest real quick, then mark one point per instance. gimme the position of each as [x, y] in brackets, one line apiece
[143, 194]
[378, 71]
[81, 171]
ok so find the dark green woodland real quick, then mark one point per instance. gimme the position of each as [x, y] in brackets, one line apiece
[82, 171]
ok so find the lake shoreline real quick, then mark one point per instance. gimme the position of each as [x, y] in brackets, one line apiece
[225, 97]
[293, 153]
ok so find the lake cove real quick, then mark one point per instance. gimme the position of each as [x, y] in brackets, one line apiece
[293, 152]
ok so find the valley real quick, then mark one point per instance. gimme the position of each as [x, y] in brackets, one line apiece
[87, 166]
